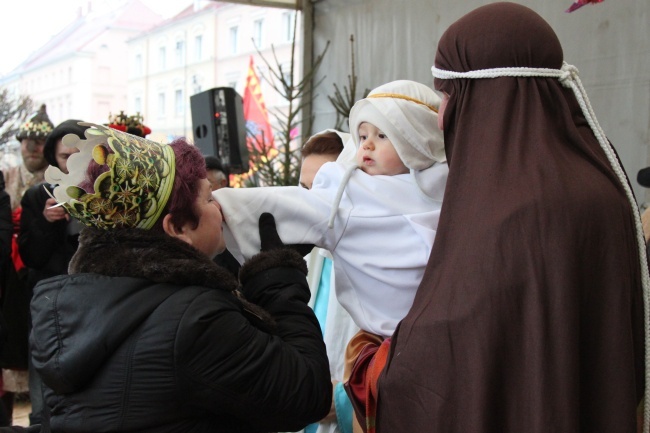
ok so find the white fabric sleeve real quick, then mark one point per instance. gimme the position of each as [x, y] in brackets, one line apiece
[300, 215]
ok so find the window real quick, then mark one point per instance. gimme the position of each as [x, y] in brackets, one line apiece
[198, 47]
[232, 78]
[234, 39]
[288, 19]
[196, 83]
[179, 102]
[162, 58]
[137, 104]
[138, 65]
[161, 104]
[258, 33]
[180, 53]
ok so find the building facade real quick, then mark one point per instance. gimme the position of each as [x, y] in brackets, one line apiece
[80, 73]
[207, 45]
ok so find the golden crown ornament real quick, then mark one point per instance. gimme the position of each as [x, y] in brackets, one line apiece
[36, 128]
[134, 190]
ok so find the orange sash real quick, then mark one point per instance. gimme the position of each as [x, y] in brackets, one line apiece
[369, 354]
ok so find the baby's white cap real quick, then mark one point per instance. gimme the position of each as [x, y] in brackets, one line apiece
[407, 112]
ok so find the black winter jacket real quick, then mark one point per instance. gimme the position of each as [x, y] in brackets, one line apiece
[6, 233]
[147, 335]
[46, 248]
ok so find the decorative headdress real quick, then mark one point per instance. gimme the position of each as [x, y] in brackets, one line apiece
[38, 127]
[134, 190]
[129, 124]
[407, 112]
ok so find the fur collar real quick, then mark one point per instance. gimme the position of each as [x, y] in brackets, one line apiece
[147, 254]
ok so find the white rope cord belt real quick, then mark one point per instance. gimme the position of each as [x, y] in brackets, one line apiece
[568, 76]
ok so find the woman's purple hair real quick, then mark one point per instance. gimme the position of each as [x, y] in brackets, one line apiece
[190, 169]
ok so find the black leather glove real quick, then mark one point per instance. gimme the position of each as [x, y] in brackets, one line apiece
[270, 240]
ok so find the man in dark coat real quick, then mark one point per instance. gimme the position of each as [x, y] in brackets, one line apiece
[48, 236]
[14, 358]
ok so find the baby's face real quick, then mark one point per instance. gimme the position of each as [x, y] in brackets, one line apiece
[376, 154]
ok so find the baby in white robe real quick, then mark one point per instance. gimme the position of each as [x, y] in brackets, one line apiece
[376, 214]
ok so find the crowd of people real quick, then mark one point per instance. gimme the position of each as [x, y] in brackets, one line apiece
[467, 259]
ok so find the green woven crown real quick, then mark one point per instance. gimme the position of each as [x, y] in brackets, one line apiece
[134, 190]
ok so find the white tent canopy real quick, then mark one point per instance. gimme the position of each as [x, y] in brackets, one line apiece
[608, 42]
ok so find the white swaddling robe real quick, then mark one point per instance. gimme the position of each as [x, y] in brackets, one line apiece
[382, 235]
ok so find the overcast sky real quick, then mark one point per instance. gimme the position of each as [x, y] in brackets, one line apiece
[26, 25]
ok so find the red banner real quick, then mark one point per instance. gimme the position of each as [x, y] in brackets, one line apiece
[580, 3]
[258, 126]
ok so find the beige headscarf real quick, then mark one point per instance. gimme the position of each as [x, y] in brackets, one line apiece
[407, 112]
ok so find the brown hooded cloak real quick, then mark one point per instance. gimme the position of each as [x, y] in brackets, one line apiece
[529, 317]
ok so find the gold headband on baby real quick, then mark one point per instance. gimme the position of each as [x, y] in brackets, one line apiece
[134, 190]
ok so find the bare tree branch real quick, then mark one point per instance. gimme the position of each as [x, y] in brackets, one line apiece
[13, 111]
[343, 101]
[281, 165]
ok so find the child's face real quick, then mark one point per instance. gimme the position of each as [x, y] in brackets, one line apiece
[376, 154]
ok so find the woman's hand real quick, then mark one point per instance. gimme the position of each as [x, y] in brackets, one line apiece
[270, 240]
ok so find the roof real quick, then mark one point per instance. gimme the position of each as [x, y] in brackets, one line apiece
[77, 35]
[188, 12]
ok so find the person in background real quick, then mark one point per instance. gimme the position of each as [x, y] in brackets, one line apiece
[337, 325]
[530, 315]
[31, 135]
[48, 237]
[147, 333]
[14, 358]
[133, 124]
[326, 146]
[643, 178]
[6, 236]
[216, 174]
[6, 230]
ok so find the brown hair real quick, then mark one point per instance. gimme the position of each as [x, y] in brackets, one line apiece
[327, 143]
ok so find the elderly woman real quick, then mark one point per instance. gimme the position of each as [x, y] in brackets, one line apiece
[148, 334]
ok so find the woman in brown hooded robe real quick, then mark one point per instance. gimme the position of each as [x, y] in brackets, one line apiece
[529, 317]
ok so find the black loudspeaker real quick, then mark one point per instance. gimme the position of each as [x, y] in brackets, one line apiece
[219, 127]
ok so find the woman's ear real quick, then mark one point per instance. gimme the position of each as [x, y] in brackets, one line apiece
[173, 231]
